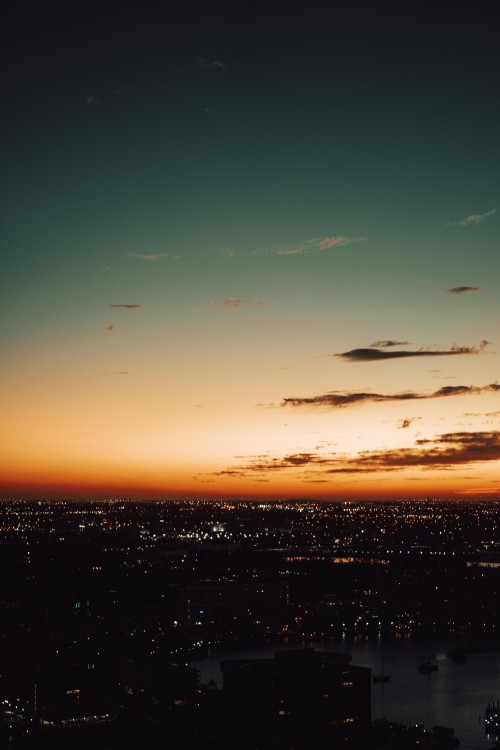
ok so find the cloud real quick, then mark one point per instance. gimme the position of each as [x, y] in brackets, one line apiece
[370, 355]
[233, 303]
[466, 447]
[291, 250]
[473, 491]
[405, 423]
[264, 463]
[90, 100]
[463, 289]
[338, 241]
[316, 244]
[342, 399]
[146, 256]
[121, 91]
[465, 390]
[110, 329]
[124, 307]
[389, 342]
[473, 219]
[447, 450]
[451, 449]
[481, 414]
[207, 64]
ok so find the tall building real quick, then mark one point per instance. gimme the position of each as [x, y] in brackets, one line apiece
[303, 698]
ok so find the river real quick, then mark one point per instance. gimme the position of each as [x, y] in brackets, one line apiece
[455, 696]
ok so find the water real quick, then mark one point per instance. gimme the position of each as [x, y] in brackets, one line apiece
[454, 696]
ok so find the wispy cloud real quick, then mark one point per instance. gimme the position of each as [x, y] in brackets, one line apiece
[301, 247]
[225, 252]
[124, 307]
[233, 303]
[405, 423]
[481, 414]
[474, 491]
[265, 463]
[208, 64]
[337, 399]
[338, 241]
[373, 355]
[473, 219]
[125, 90]
[146, 256]
[389, 342]
[445, 451]
[110, 329]
[464, 289]
[316, 244]
[290, 250]
[90, 100]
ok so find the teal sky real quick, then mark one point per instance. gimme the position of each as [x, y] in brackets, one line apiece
[263, 189]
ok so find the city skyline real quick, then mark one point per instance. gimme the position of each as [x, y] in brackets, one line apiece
[251, 253]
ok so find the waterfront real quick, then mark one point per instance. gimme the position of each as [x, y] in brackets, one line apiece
[456, 695]
[136, 590]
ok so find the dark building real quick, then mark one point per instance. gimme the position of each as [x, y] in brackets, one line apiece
[160, 680]
[230, 604]
[302, 696]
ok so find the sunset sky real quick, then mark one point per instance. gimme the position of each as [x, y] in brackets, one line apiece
[250, 251]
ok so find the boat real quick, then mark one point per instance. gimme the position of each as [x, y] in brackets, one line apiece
[428, 666]
[381, 676]
[492, 718]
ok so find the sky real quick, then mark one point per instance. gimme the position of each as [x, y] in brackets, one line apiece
[250, 250]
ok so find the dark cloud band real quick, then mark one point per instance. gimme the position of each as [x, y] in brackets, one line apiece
[338, 400]
[124, 307]
[442, 452]
[374, 355]
[464, 289]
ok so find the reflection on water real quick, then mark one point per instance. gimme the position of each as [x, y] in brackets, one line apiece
[455, 696]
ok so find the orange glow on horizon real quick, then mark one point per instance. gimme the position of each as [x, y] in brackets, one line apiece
[135, 487]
